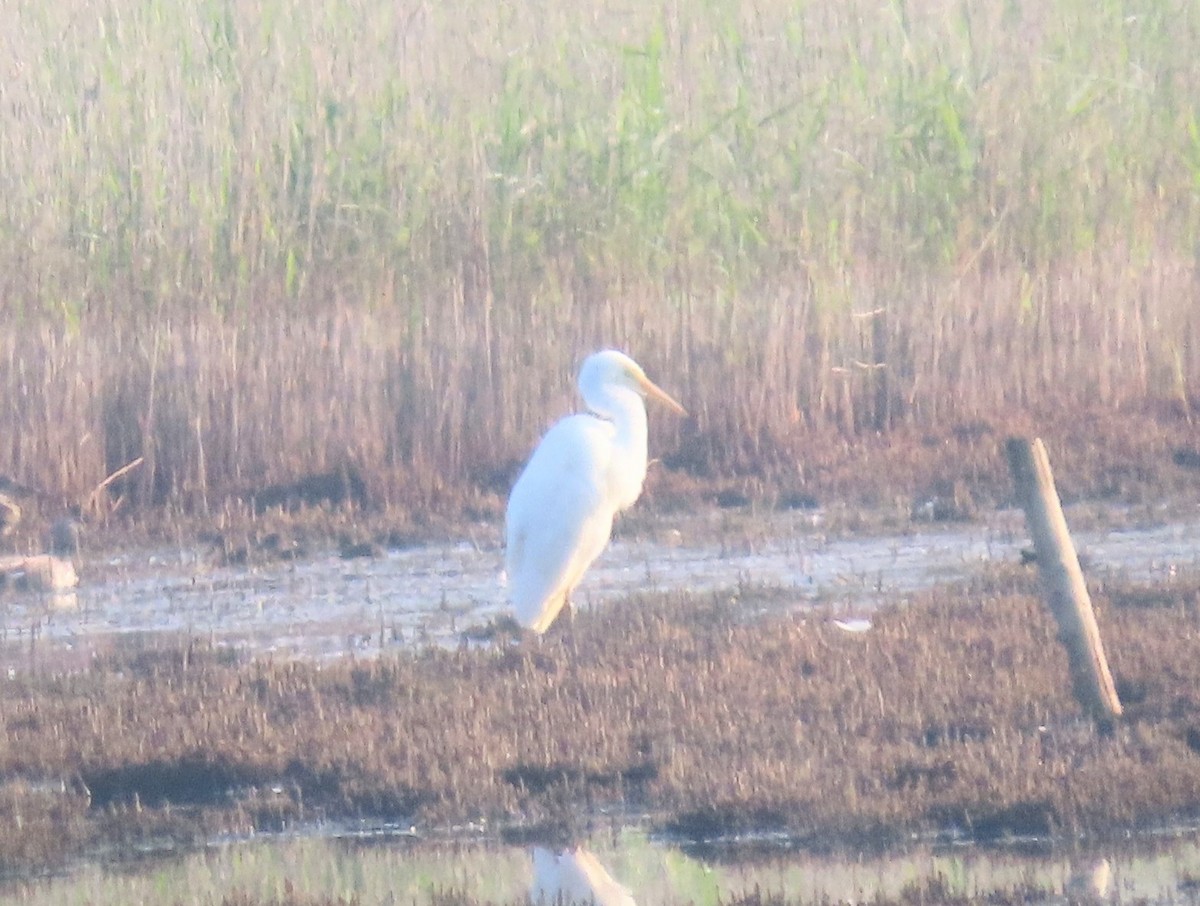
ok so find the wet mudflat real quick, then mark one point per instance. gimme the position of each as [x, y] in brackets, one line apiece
[323, 606]
[703, 693]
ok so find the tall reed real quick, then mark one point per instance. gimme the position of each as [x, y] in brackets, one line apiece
[243, 239]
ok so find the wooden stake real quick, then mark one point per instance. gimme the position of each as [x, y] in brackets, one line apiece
[1062, 579]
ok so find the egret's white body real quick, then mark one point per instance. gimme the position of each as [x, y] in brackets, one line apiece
[586, 469]
[575, 876]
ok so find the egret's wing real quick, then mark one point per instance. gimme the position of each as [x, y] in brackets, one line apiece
[559, 518]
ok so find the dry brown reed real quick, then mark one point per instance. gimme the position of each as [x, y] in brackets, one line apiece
[952, 713]
[219, 411]
[247, 242]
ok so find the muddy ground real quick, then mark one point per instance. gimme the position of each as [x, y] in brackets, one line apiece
[951, 716]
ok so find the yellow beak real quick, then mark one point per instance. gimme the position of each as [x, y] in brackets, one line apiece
[653, 391]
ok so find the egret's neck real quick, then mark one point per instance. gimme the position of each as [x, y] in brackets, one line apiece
[627, 412]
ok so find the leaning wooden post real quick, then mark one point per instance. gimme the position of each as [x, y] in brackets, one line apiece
[1062, 579]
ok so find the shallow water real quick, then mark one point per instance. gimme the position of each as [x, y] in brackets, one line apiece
[380, 867]
[325, 607]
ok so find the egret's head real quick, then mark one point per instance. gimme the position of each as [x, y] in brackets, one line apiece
[613, 369]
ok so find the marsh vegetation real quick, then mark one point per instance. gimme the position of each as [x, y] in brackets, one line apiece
[249, 243]
[246, 243]
[952, 715]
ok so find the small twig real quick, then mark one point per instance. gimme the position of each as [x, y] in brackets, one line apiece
[128, 467]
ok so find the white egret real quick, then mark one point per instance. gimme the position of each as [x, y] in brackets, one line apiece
[575, 876]
[587, 468]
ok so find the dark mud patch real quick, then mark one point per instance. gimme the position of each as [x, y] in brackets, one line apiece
[189, 780]
[717, 821]
[200, 780]
[338, 487]
[538, 779]
[985, 823]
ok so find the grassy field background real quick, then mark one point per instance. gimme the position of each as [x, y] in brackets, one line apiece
[249, 240]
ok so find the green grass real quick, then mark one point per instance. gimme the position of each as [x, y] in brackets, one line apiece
[403, 227]
[308, 872]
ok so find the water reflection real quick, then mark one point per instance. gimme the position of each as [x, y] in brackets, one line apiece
[1090, 884]
[382, 869]
[574, 875]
